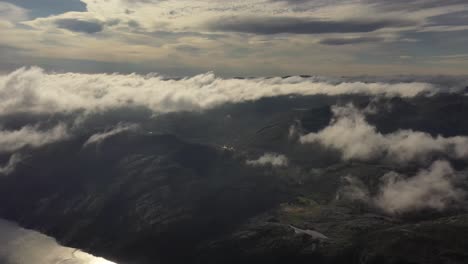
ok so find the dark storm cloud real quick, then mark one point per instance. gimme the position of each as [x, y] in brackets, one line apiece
[293, 25]
[346, 41]
[78, 25]
[42, 8]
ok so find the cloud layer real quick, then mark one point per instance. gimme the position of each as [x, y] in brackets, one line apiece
[238, 38]
[351, 135]
[294, 25]
[33, 90]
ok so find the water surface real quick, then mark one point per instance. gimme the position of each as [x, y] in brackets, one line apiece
[22, 246]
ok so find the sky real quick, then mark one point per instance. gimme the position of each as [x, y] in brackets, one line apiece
[237, 38]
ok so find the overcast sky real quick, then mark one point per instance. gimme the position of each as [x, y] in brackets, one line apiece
[237, 38]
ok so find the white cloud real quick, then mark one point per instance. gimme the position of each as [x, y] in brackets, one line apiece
[12, 140]
[33, 90]
[295, 130]
[99, 137]
[434, 188]
[351, 135]
[10, 166]
[270, 159]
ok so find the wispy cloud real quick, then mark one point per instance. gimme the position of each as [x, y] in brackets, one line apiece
[270, 159]
[348, 41]
[10, 166]
[295, 25]
[100, 137]
[30, 136]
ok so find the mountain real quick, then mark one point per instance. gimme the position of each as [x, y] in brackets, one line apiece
[179, 188]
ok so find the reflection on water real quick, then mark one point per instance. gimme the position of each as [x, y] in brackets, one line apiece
[21, 246]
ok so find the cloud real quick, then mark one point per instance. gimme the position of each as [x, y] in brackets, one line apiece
[35, 91]
[353, 189]
[78, 25]
[100, 137]
[45, 8]
[296, 25]
[11, 12]
[458, 18]
[30, 136]
[434, 188]
[415, 5]
[351, 135]
[188, 49]
[346, 41]
[270, 159]
[137, 42]
[10, 166]
[295, 130]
